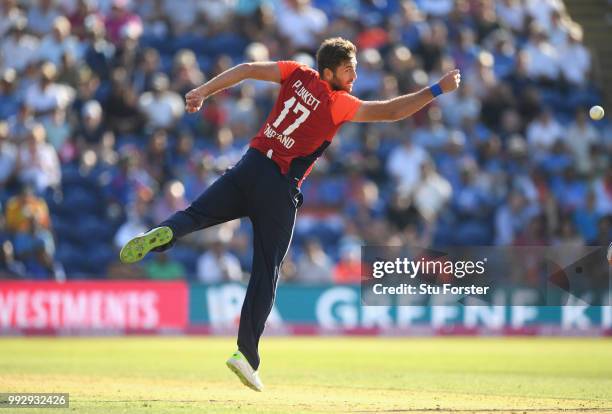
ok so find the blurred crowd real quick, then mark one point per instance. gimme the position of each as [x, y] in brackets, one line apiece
[95, 145]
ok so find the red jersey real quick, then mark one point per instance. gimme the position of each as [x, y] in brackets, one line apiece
[304, 120]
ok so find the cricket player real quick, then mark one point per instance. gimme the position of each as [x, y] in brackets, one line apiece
[265, 184]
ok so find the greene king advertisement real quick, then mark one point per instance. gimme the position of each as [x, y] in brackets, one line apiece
[329, 309]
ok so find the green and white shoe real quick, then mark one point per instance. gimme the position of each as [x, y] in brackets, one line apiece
[241, 367]
[137, 248]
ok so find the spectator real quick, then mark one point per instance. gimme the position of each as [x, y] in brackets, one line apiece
[603, 193]
[460, 106]
[288, 271]
[38, 163]
[485, 19]
[543, 64]
[10, 14]
[218, 265]
[87, 83]
[173, 200]
[301, 23]
[98, 52]
[604, 231]
[511, 13]
[432, 193]
[404, 164]
[452, 156]
[577, 74]
[363, 203]
[35, 248]
[258, 52]
[504, 53]
[402, 64]
[157, 158]
[129, 181]
[162, 267]
[412, 25]
[437, 8]
[472, 204]
[186, 73]
[433, 135]
[534, 234]
[59, 42]
[217, 12]
[512, 217]
[137, 222]
[9, 102]
[314, 266]
[227, 153]
[106, 151]
[182, 19]
[91, 128]
[41, 17]
[542, 10]
[559, 30]
[10, 267]
[433, 45]
[556, 160]
[127, 51]
[162, 107]
[121, 22]
[58, 128]
[580, 138]
[204, 176]
[149, 66]
[22, 207]
[348, 269]
[243, 113]
[369, 73]
[69, 73]
[20, 46]
[8, 160]
[182, 158]
[570, 191]
[121, 106]
[156, 20]
[46, 95]
[543, 132]
[586, 218]
[482, 78]
[84, 12]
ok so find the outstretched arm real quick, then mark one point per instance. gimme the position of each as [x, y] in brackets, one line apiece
[267, 71]
[405, 105]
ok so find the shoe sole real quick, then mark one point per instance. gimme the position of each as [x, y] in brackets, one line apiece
[137, 248]
[241, 376]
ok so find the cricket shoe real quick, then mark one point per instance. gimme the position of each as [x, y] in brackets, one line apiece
[241, 367]
[135, 249]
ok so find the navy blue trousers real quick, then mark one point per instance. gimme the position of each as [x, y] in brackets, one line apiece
[253, 188]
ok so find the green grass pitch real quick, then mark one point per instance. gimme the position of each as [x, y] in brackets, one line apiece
[315, 375]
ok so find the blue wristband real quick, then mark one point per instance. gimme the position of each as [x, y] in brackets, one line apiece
[435, 89]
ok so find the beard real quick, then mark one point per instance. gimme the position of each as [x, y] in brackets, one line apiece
[336, 85]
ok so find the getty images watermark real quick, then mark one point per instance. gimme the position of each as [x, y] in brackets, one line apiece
[428, 268]
[485, 275]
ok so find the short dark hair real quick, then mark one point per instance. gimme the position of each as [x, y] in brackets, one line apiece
[334, 52]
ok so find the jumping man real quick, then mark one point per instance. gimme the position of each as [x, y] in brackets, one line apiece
[265, 184]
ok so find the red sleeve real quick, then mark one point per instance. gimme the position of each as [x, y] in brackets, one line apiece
[344, 107]
[286, 68]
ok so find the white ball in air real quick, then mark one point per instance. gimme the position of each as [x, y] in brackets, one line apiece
[596, 112]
